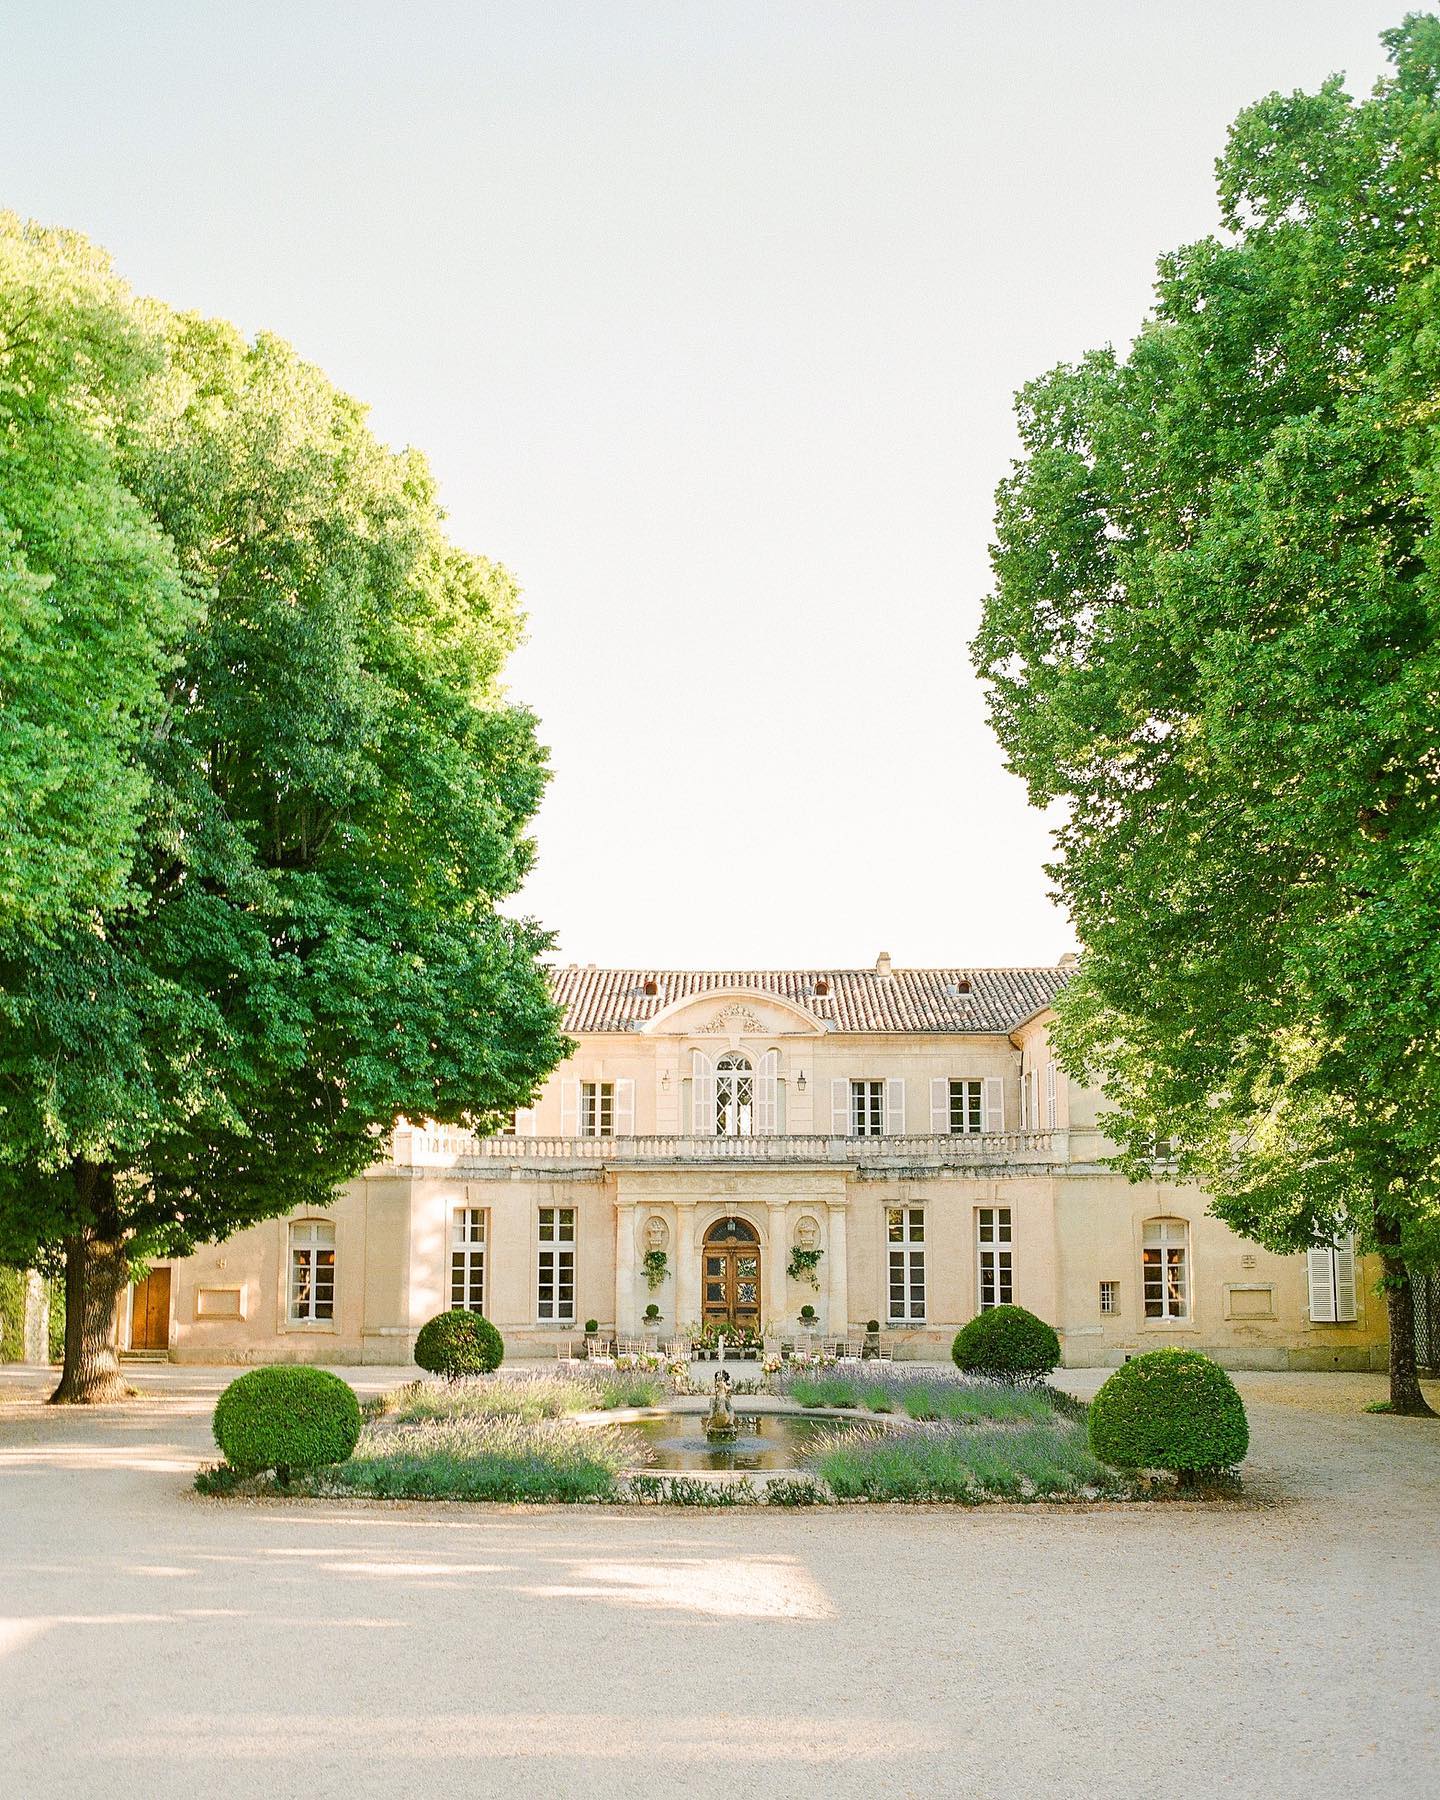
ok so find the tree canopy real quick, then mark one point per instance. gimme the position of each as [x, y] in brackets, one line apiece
[1215, 637]
[336, 794]
[90, 594]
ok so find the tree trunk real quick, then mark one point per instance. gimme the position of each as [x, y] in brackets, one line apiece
[1405, 1395]
[96, 1270]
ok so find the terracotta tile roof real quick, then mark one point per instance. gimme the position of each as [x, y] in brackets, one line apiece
[919, 1000]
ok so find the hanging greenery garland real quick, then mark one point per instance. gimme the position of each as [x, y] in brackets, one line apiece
[803, 1265]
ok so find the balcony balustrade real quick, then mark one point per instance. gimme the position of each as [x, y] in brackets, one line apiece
[447, 1147]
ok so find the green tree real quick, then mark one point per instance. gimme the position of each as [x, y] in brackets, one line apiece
[338, 797]
[90, 595]
[1213, 637]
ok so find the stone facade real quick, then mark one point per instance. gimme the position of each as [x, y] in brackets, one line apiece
[907, 1125]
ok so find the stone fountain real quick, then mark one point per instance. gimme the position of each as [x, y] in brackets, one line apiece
[720, 1423]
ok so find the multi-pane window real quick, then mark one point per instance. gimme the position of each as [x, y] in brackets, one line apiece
[597, 1109]
[467, 1259]
[734, 1096]
[1109, 1296]
[312, 1271]
[905, 1241]
[867, 1109]
[555, 1274]
[967, 1106]
[1164, 1267]
[995, 1251]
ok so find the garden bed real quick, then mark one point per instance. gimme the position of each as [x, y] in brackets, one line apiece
[920, 1437]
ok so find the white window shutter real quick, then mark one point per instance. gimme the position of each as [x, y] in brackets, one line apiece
[526, 1121]
[1346, 1307]
[1321, 1266]
[569, 1109]
[895, 1107]
[702, 1095]
[624, 1116]
[840, 1107]
[767, 1095]
[1050, 1096]
[994, 1114]
[939, 1104]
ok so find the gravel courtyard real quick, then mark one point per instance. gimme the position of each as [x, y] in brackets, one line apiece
[156, 1644]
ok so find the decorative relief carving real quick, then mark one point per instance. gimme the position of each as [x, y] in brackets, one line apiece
[657, 1234]
[734, 1017]
[807, 1235]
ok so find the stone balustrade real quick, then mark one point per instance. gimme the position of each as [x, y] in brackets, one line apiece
[447, 1146]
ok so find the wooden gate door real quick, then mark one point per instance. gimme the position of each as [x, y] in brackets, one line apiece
[150, 1313]
[731, 1275]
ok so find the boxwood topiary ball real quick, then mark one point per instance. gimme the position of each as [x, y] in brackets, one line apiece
[459, 1343]
[285, 1418]
[1170, 1409]
[1006, 1341]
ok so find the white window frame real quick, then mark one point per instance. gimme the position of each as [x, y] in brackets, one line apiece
[1052, 1109]
[867, 1107]
[307, 1277]
[967, 1107]
[735, 1083]
[556, 1232]
[597, 1109]
[906, 1292]
[468, 1234]
[994, 1257]
[1158, 1287]
[1109, 1299]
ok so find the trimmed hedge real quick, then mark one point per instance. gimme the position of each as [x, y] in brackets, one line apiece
[1007, 1341]
[459, 1343]
[286, 1417]
[1170, 1409]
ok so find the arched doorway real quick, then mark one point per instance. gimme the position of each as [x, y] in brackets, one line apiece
[730, 1286]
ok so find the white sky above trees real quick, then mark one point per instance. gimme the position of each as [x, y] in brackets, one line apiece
[708, 314]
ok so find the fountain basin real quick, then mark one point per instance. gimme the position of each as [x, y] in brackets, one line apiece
[763, 1440]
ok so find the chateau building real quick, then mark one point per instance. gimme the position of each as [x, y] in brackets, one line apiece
[878, 1144]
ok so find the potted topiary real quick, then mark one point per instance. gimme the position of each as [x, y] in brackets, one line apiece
[651, 1322]
[872, 1338]
[808, 1321]
[589, 1344]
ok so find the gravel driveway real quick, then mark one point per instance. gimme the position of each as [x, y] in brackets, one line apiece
[155, 1644]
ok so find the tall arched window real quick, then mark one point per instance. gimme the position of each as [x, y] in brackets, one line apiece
[734, 1096]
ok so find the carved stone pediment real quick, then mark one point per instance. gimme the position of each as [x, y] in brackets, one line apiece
[733, 1016]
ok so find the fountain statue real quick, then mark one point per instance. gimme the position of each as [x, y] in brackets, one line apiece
[720, 1426]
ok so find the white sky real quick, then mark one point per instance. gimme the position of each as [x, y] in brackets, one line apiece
[708, 314]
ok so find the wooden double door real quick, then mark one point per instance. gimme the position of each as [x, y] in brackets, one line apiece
[150, 1312]
[730, 1275]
